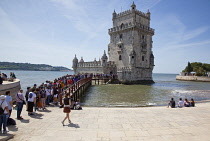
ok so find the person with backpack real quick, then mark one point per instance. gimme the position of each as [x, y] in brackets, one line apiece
[19, 99]
[8, 99]
[4, 113]
[31, 101]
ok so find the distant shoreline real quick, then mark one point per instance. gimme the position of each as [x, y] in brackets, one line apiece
[35, 70]
[31, 67]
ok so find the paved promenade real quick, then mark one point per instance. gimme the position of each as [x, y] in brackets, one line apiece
[116, 124]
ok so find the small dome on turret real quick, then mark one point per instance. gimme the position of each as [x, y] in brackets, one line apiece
[81, 61]
[104, 56]
[133, 7]
[75, 59]
[114, 14]
[148, 13]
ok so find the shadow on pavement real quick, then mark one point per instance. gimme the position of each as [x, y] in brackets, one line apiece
[25, 120]
[12, 128]
[37, 116]
[46, 110]
[5, 137]
[73, 125]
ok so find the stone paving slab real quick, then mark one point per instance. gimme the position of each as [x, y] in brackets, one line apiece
[116, 124]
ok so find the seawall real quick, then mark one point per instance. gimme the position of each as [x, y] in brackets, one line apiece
[193, 78]
[13, 87]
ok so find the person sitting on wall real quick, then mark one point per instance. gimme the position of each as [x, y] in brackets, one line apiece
[186, 103]
[171, 103]
[192, 103]
[78, 105]
[180, 103]
[73, 104]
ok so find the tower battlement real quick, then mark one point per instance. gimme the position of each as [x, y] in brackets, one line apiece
[127, 12]
[130, 25]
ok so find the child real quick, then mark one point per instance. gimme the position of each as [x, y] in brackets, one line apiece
[78, 105]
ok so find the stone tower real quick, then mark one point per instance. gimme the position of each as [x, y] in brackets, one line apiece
[75, 64]
[130, 46]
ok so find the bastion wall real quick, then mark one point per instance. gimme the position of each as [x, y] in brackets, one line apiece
[13, 87]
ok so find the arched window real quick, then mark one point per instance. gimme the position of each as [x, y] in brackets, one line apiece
[121, 36]
[120, 57]
[142, 58]
[132, 57]
[122, 25]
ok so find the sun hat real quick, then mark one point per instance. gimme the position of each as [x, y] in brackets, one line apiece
[2, 97]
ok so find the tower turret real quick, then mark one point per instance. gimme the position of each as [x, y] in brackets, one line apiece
[152, 60]
[132, 58]
[133, 7]
[148, 13]
[81, 61]
[114, 15]
[75, 63]
[104, 59]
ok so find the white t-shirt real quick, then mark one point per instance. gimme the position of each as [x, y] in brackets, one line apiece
[4, 104]
[180, 103]
[55, 95]
[48, 91]
[32, 98]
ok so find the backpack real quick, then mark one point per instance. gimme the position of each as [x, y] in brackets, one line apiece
[1, 109]
[43, 94]
[11, 121]
[30, 95]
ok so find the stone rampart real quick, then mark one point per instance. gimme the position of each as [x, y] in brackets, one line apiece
[13, 87]
[193, 78]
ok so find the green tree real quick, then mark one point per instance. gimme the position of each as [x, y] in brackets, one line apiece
[200, 72]
[188, 68]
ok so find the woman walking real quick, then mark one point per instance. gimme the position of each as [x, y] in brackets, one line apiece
[66, 109]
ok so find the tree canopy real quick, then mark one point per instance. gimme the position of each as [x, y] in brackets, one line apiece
[200, 69]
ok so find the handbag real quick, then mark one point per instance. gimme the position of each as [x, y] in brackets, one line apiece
[24, 103]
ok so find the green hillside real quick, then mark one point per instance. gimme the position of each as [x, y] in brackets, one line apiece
[30, 67]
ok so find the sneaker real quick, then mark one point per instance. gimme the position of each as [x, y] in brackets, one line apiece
[69, 121]
[62, 123]
[20, 118]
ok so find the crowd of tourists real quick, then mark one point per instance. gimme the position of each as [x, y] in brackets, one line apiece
[50, 93]
[4, 77]
[181, 103]
[101, 75]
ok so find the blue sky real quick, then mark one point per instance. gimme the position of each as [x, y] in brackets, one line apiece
[53, 31]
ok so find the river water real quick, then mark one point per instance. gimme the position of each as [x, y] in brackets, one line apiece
[159, 93]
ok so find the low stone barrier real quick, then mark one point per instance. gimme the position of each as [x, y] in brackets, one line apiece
[13, 87]
[193, 78]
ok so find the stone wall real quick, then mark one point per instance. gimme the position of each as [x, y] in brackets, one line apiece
[13, 87]
[193, 78]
